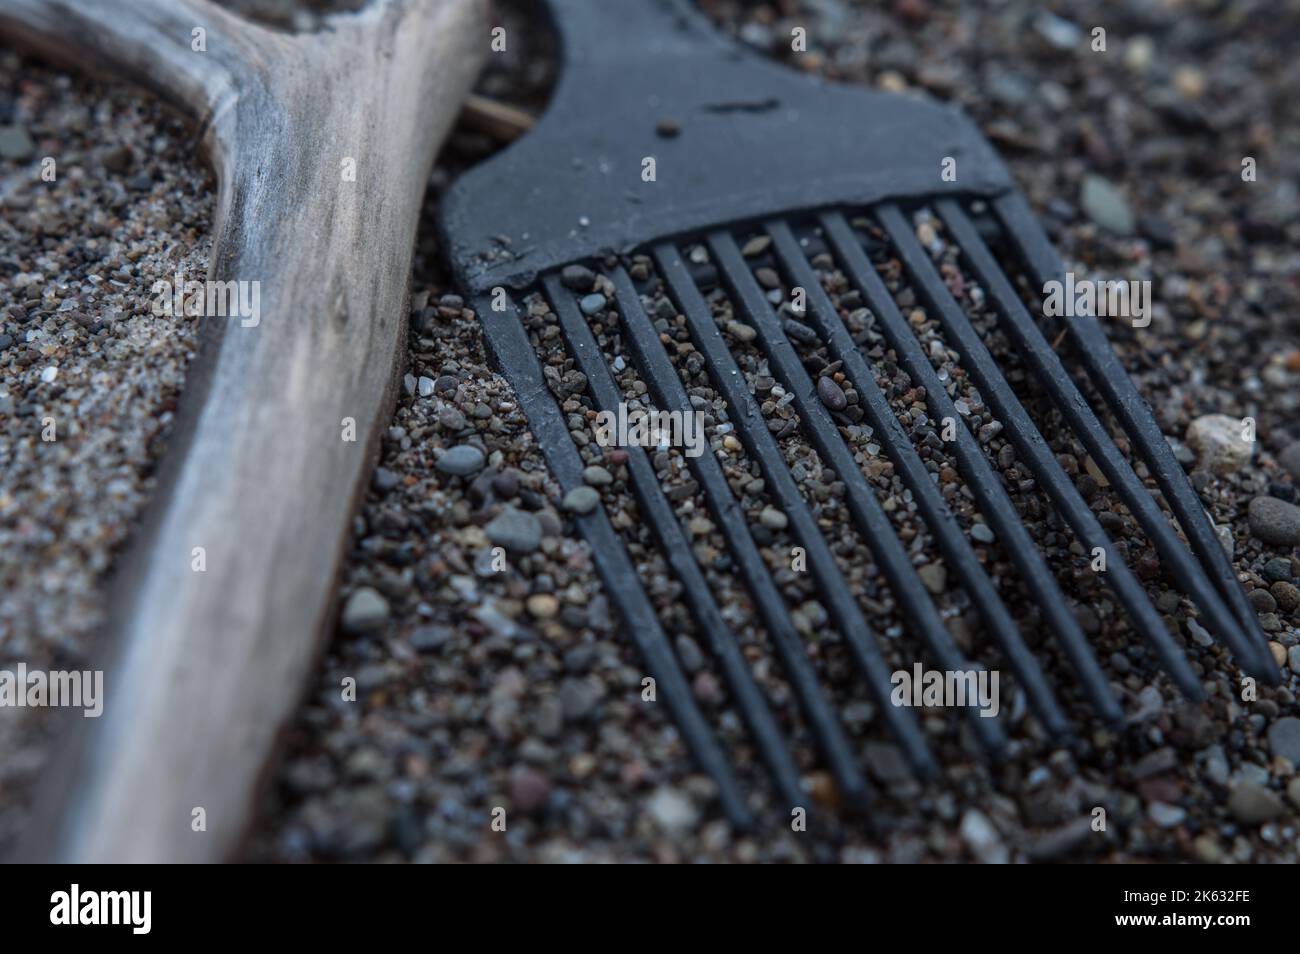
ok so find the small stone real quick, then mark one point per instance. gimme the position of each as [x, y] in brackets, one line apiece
[1106, 205]
[506, 484]
[1262, 600]
[1293, 791]
[756, 246]
[364, 612]
[1290, 460]
[1274, 521]
[516, 530]
[597, 476]
[578, 278]
[1279, 568]
[1253, 804]
[581, 500]
[773, 519]
[384, 479]
[462, 460]
[426, 386]
[982, 533]
[831, 394]
[529, 789]
[1279, 653]
[1166, 816]
[1207, 849]
[672, 811]
[1219, 443]
[428, 639]
[934, 576]
[741, 331]
[579, 697]
[982, 838]
[592, 304]
[1287, 595]
[1284, 739]
[118, 159]
[542, 606]
[15, 143]
[1059, 32]
[767, 277]
[1293, 660]
[688, 651]
[1153, 763]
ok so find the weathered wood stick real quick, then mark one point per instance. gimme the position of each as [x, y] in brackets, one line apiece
[280, 416]
[501, 121]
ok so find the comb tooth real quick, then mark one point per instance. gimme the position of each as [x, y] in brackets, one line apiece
[751, 428]
[509, 344]
[1038, 355]
[876, 527]
[1032, 448]
[658, 513]
[668, 393]
[956, 548]
[1120, 395]
[992, 497]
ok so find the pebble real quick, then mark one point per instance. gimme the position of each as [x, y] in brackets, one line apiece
[428, 639]
[364, 612]
[1106, 205]
[426, 386]
[1153, 763]
[597, 476]
[1166, 816]
[673, 812]
[1279, 568]
[581, 500]
[1262, 600]
[1218, 443]
[505, 484]
[982, 838]
[934, 576]
[118, 159]
[578, 278]
[1279, 653]
[1293, 791]
[542, 606]
[516, 530]
[1284, 739]
[1253, 804]
[529, 789]
[831, 394]
[1286, 595]
[1293, 660]
[384, 479]
[579, 697]
[773, 519]
[15, 143]
[982, 533]
[1059, 32]
[1274, 521]
[462, 460]
[690, 655]
[1290, 460]
[592, 304]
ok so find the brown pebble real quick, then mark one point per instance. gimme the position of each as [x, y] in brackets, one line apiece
[831, 394]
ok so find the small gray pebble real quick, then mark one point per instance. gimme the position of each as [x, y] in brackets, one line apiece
[461, 461]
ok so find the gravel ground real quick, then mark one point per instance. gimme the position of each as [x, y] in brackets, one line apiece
[481, 689]
[83, 360]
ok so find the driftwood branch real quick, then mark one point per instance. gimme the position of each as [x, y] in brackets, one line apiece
[207, 667]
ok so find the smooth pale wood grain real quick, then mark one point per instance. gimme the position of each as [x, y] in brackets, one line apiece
[206, 668]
